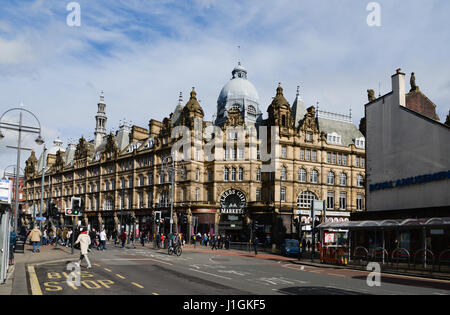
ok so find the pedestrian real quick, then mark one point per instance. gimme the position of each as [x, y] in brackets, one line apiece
[92, 236]
[163, 238]
[35, 238]
[158, 241]
[114, 236]
[143, 237]
[308, 244]
[69, 235]
[303, 245]
[64, 235]
[12, 245]
[44, 237]
[103, 239]
[123, 238]
[213, 242]
[84, 241]
[255, 244]
[132, 239]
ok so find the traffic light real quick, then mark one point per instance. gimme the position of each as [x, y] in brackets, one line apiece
[76, 206]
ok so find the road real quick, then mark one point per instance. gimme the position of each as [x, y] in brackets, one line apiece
[130, 271]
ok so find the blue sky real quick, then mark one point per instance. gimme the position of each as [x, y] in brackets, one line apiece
[142, 53]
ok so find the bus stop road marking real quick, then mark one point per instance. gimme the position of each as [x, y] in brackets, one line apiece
[138, 285]
[34, 282]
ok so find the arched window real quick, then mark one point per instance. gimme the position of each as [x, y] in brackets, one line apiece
[305, 199]
[330, 178]
[314, 178]
[302, 175]
[109, 203]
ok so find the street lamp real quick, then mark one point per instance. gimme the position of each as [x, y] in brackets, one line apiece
[20, 128]
[168, 166]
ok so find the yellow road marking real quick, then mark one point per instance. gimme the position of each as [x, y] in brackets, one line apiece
[121, 277]
[155, 293]
[109, 270]
[96, 265]
[35, 287]
[138, 285]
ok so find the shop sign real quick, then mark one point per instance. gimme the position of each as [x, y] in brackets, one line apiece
[5, 190]
[329, 237]
[232, 201]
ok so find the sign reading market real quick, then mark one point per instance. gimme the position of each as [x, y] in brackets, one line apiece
[232, 201]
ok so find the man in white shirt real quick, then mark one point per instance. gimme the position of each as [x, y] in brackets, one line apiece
[103, 240]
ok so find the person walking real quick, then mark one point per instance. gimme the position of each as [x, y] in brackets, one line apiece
[84, 241]
[123, 238]
[213, 242]
[64, 235]
[255, 244]
[103, 239]
[12, 245]
[35, 237]
[132, 239]
[44, 237]
[92, 236]
[163, 238]
[143, 237]
[115, 237]
[69, 235]
[158, 241]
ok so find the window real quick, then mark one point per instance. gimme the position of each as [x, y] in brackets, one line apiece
[343, 180]
[359, 181]
[314, 156]
[122, 183]
[210, 175]
[343, 201]
[149, 199]
[227, 154]
[109, 203]
[107, 185]
[226, 174]
[258, 175]
[197, 174]
[197, 194]
[283, 173]
[333, 158]
[344, 160]
[328, 157]
[314, 178]
[302, 175]
[339, 159]
[233, 174]
[308, 136]
[258, 154]
[130, 182]
[330, 178]
[359, 202]
[330, 200]
[302, 154]
[241, 154]
[308, 155]
[209, 193]
[283, 194]
[305, 199]
[233, 154]
[258, 194]
[283, 152]
[362, 162]
[241, 174]
[150, 178]
[141, 200]
[141, 180]
[162, 178]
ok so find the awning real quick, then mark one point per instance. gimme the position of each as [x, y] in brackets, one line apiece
[406, 223]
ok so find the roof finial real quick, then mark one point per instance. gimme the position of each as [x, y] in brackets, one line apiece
[239, 55]
[102, 97]
[298, 90]
[180, 99]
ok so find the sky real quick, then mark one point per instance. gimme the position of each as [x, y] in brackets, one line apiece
[142, 53]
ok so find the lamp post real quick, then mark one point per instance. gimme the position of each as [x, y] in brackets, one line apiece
[168, 166]
[19, 128]
[13, 174]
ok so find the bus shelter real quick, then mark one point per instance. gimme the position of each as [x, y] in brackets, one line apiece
[408, 243]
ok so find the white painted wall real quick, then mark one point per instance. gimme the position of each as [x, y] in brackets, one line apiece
[402, 144]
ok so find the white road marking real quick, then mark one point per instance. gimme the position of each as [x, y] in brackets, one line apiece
[138, 259]
[211, 274]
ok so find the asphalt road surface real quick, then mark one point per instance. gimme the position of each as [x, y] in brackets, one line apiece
[129, 271]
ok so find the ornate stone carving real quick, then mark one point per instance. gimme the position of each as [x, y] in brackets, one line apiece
[30, 168]
[59, 162]
[309, 122]
[234, 118]
[111, 146]
[371, 95]
[82, 149]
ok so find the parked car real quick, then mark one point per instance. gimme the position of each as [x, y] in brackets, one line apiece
[290, 247]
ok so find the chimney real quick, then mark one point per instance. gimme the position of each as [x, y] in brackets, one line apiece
[398, 88]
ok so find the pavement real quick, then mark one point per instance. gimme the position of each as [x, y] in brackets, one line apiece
[18, 283]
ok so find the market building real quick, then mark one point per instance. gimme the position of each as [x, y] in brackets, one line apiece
[121, 180]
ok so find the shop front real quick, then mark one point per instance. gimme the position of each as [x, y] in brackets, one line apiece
[233, 215]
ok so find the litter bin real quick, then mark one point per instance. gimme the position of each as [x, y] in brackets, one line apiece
[20, 245]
